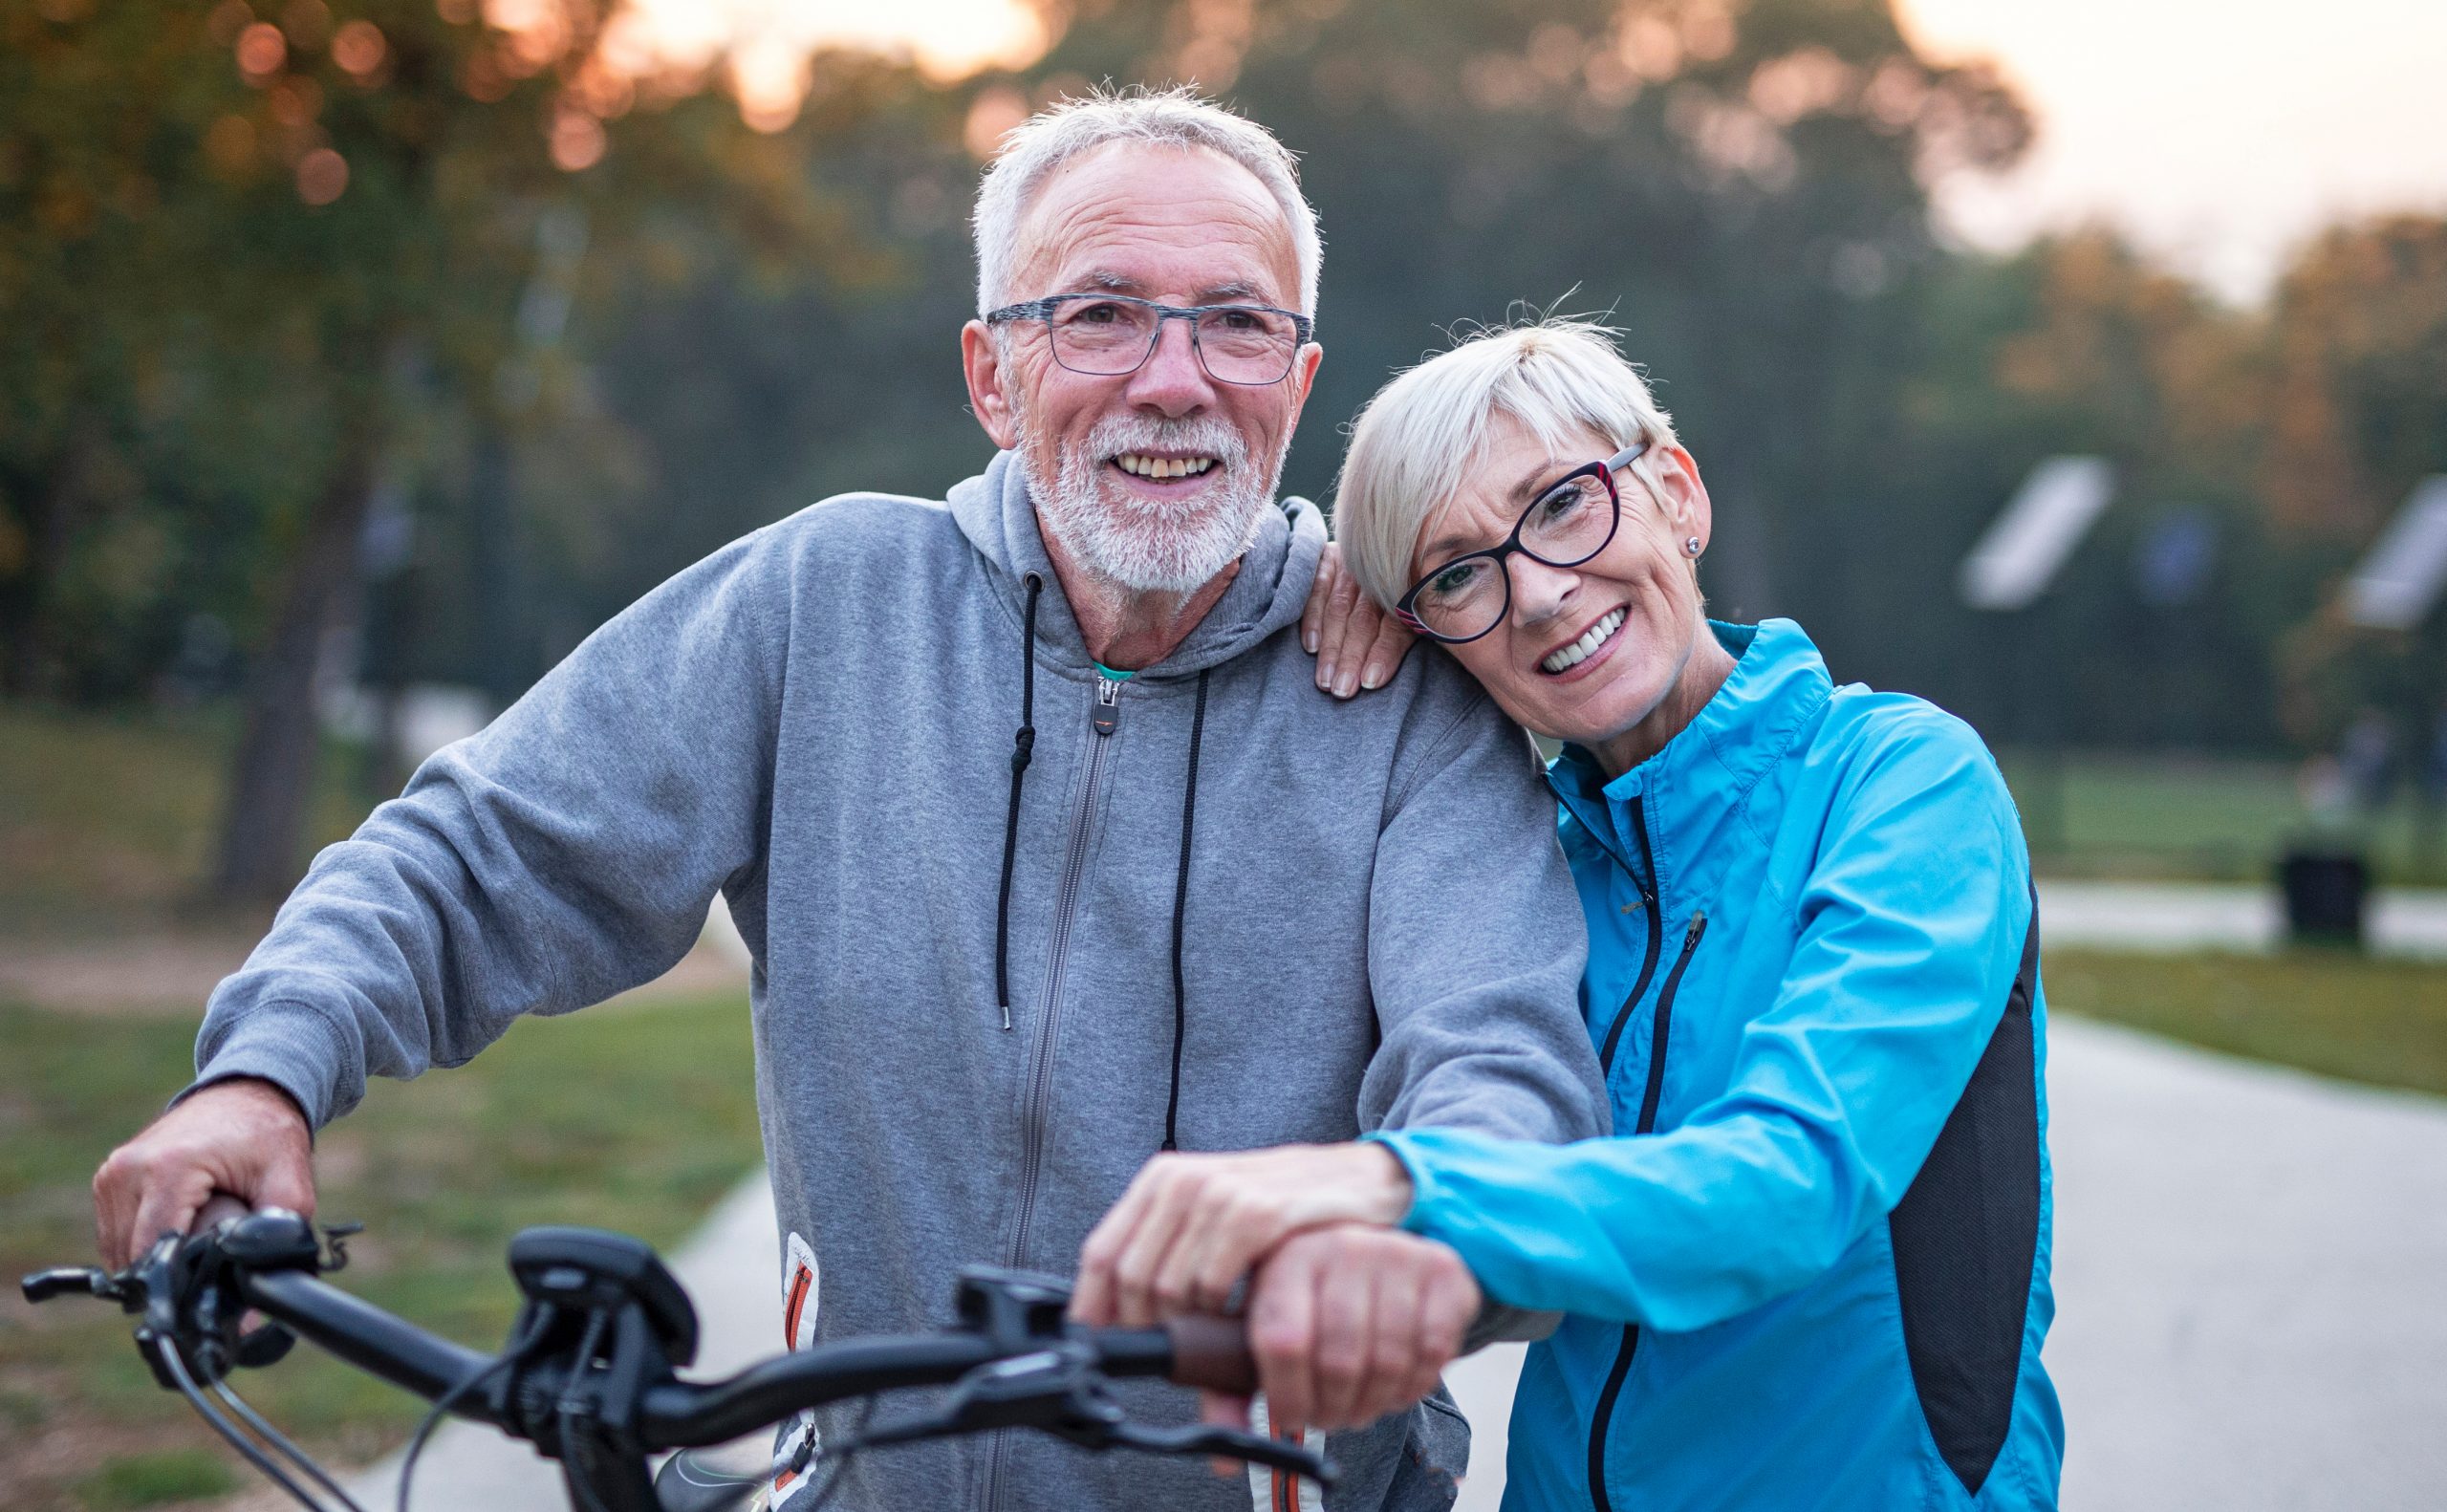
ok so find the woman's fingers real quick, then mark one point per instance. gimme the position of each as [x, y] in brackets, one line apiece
[1385, 652]
[1143, 1270]
[1230, 1229]
[1339, 646]
[1190, 1226]
[1312, 613]
[1357, 646]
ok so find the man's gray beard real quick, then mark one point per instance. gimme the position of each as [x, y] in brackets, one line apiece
[1148, 547]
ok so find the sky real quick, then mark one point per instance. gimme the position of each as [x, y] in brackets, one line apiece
[2219, 134]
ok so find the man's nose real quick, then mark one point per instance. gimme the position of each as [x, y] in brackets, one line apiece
[1539, 592]
[1172, 381]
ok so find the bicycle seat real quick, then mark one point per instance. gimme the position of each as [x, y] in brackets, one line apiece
[725, 1478]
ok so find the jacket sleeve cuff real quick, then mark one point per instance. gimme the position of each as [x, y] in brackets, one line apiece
[290, 1045]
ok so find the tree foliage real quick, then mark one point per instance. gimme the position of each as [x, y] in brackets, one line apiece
[567, 324]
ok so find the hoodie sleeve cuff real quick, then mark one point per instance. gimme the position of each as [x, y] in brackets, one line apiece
[292, 1046]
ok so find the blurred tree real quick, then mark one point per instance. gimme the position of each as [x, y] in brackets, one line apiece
[2358, 331]
[342, 210]
[1741, 186]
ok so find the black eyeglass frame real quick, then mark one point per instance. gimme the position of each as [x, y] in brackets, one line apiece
[1603, 472]
[1302, 328]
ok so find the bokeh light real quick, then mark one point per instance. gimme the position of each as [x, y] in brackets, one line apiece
[322, 176]
[358, 48]
[261, 52]
[578, 140]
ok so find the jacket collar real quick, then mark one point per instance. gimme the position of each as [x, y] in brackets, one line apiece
[1779, 682]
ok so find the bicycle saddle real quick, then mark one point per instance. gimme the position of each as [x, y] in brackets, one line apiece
[726, 1477]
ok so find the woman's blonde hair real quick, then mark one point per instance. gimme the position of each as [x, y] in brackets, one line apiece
[1414, 442]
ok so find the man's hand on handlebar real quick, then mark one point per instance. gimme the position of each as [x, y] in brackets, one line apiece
[1350, 1322]
[242, 1137]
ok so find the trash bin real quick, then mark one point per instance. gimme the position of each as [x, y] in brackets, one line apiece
[2326, 889]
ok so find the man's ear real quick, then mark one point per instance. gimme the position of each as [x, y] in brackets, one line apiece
[1684, 496]
[990, 382]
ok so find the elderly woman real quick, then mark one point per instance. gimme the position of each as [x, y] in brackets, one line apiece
[1809, 1268]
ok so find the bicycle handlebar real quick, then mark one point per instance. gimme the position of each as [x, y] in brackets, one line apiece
[1014, 1361]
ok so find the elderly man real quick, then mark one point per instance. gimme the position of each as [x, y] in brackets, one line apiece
[1050, 855]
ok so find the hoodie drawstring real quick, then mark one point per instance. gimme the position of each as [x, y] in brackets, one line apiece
[1181, 909]
[1023, 748]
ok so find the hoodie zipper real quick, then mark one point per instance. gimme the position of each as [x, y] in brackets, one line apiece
[1650, 1094]
[1104, 717]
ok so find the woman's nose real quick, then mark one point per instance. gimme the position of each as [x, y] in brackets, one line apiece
[1539, 592]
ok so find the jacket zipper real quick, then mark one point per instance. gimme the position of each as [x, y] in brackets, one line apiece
[1602, 1418]
[1104, 717]
[1649, 899]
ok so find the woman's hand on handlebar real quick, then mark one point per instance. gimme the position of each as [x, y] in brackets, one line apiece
[242, 1137]
[1357, 646]
[1350, 1322]
[1191, 1226]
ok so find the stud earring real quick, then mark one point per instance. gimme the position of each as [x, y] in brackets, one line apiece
[1691, 546]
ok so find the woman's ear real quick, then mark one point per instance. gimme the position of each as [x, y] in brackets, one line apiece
[1684, 498]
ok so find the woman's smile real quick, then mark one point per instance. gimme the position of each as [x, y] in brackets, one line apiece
[1581, 656]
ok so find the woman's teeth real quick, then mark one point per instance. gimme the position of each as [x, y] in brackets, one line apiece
[1571, 656]
[1131, 461]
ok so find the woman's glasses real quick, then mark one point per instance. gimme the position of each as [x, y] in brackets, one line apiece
[1571, 520]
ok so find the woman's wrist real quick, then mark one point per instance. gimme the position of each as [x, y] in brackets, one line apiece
[1381, 1184]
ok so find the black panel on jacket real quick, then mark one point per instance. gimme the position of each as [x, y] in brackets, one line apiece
[1966, 1236]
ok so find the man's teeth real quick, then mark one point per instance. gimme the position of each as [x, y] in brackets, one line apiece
[1162, 467]
[1578, 651]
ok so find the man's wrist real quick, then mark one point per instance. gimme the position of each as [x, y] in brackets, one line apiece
[261, 1089]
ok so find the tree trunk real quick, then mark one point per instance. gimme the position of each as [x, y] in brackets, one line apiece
[271, 786]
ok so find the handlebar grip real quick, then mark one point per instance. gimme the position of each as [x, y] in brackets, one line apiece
[1213, 1354]
[219, 1206]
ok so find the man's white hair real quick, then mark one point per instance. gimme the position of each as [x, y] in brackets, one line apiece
[1170, 118]
[1414, 443]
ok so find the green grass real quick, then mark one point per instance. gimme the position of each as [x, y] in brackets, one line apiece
[151, 1480]
[106, 820]
[634, 1118]
[2205, 818]
[2381, 1022]
[2226, 819]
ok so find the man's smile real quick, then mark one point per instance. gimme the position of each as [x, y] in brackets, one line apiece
[1162, 468]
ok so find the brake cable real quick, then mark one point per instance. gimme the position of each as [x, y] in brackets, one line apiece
[166, 1351]
[515, 1352]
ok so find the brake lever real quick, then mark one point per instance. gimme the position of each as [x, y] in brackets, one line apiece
[70, 1280]
[1213, 1439]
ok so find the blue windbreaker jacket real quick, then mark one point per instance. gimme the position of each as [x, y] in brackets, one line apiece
[1811, 1270]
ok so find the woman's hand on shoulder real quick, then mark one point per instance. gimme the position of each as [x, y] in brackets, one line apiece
[1357, 646]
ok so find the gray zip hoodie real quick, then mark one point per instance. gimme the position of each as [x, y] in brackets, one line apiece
[1372, 924]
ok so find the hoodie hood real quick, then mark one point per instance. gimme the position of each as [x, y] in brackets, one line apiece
[997, 516]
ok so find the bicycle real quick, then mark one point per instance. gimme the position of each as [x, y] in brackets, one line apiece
[590, 1374]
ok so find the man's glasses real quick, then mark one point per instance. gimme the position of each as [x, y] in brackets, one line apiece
[1571, 520]
[1106, 335]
